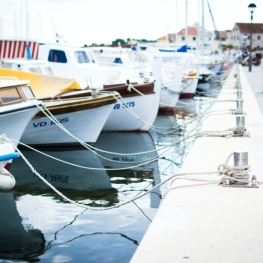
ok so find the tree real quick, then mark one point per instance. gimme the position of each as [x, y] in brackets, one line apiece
[117, 41]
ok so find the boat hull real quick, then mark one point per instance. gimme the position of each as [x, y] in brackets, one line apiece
[13, 123]
[168, 99]
[138, 112]
[121, 118]
[190, 85]
[86, 125]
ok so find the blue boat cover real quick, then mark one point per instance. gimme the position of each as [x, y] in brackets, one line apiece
[181, 49]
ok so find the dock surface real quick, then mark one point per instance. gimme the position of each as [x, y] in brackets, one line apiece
[200, 220]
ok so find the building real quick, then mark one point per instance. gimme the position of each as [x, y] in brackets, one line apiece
[240, 36]
[169, 38]
[193, 37]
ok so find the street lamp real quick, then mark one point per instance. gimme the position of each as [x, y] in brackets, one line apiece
[251, 7]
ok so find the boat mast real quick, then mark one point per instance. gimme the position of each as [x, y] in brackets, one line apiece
[27, 22]
[176, 15]
[15, 25]
[203, 27]
[186, 22]
[1, 27]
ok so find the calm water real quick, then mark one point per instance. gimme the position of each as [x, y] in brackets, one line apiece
[39, 226]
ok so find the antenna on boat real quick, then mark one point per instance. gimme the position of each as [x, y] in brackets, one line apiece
[28, 53]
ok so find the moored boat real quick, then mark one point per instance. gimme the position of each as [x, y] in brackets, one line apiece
[128, 114]
[83, 117]
[17, 107]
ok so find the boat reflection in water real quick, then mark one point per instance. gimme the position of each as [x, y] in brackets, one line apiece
[142, 167]
[17, 242]
[65, 226]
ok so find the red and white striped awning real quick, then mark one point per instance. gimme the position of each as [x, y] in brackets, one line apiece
[17, 49]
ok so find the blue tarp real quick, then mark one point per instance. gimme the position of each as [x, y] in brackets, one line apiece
[181, 49]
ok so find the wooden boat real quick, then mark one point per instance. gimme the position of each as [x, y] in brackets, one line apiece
[17, 107]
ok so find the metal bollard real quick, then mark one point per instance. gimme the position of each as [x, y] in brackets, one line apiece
[239, 94]
[240, 158]
[240, 104]
[94, 93]
[240, 120]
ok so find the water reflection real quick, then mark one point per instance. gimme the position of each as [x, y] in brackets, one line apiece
[131, 143]
[70, 234]
[65, 226]
[17, 242]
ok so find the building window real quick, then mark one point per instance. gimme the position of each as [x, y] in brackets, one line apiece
[194, 38]
[248, 37]
[183, 38]
[258, 37]
[57, 56]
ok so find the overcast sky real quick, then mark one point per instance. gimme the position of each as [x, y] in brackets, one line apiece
[101, 21]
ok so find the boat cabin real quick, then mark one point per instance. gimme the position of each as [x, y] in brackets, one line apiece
[14, 91]
[77, 63]
[28, 65]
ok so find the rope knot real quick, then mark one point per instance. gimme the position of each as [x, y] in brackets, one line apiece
[233, 173]
[3, 139]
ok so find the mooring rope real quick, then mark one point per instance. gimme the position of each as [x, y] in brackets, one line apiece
[233, 173]
[239, 174]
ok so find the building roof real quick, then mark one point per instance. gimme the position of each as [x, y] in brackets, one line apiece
[245, 27]
[222, 34]
[170, 37]
[192, 31]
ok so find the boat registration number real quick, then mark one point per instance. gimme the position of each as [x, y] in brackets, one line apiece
[45, 123]
[129, 104]
[124, 158]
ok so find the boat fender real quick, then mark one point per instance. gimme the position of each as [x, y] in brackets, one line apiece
[7, 180]
[7, 153]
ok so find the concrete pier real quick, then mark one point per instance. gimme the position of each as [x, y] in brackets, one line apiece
[200, 220]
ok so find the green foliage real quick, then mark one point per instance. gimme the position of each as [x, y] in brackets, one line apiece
[117, 41]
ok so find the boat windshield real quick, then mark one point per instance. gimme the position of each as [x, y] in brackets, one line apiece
[48, 71]
[28, 92]
[10, 95]
[7, 65]
[81, 57]
[35, 70]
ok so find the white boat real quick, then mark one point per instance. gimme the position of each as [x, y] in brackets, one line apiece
[82, 65]
[17, 107]
[123, 58]
[82, 117]
[139, 110]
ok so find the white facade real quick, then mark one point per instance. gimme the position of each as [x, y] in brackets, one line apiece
[240, 37]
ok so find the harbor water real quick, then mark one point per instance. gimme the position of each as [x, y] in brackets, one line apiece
[38, 225]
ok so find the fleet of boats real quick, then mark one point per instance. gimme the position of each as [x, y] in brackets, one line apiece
[69, 95]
